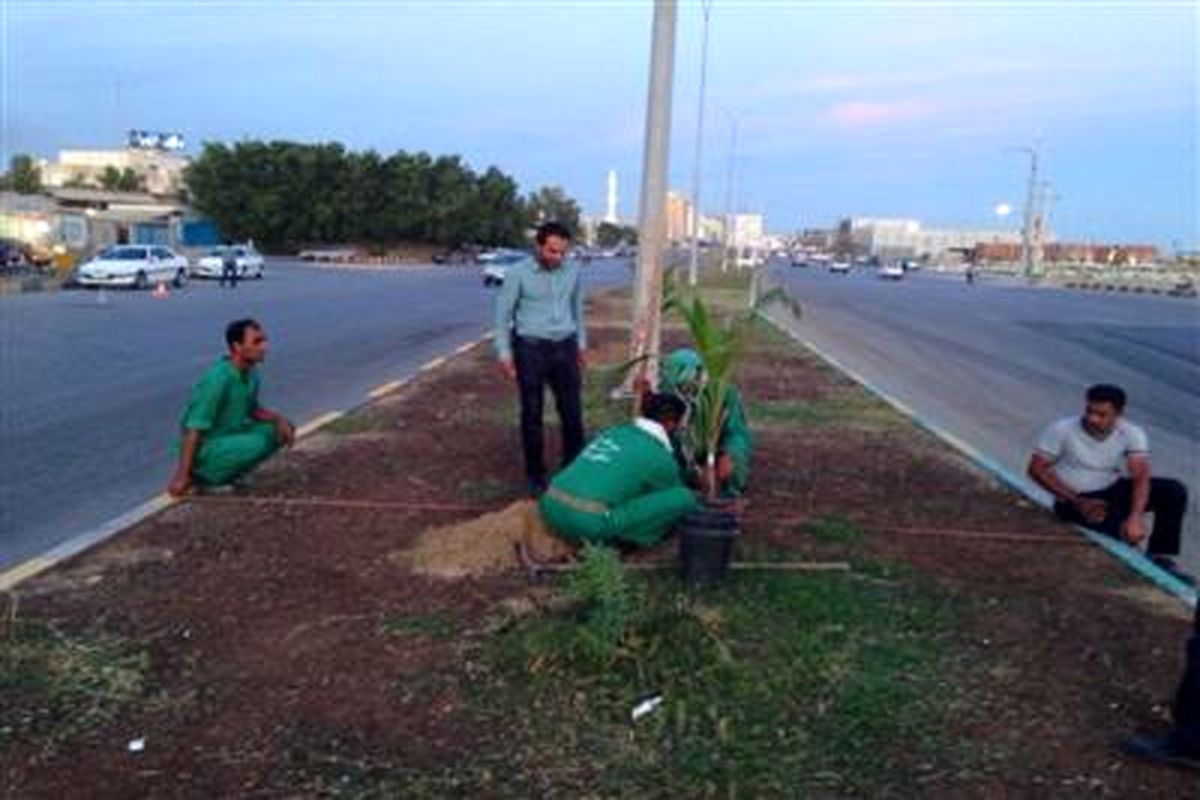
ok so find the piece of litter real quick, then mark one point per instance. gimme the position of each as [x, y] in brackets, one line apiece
[645, 707]
[137, 745]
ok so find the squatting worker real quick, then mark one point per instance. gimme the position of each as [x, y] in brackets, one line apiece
[1082, 461]
[683, 376]
[226, 433]
[540, 341]
[625, 487]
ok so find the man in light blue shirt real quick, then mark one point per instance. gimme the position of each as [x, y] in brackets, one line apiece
[540, 341]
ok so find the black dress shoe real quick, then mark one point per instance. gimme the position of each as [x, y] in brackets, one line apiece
[1167, 750]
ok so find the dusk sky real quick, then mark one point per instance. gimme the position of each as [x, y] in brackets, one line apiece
[871, 108]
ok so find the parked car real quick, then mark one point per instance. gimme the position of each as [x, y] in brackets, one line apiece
[249, 262]
[136, 266]
[839, 267]
[496, 264]
[891, 270]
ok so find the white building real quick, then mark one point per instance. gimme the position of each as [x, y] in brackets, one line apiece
[747, 230]
[905, 238]
[160, 172]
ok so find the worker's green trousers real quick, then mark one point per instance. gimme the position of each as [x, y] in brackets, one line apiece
[222, 459]
[643, 521]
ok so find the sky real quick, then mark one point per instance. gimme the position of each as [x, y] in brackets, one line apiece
[842, 108]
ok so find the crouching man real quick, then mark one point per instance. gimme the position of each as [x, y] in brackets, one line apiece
[1082, 461]
[226, 433]
[625, 487]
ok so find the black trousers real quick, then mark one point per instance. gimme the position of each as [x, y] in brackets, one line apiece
[541, 363]
[229, 272]
[1187, 700]
[1168, 501]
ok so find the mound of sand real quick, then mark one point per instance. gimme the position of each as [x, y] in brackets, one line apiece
[483, 545]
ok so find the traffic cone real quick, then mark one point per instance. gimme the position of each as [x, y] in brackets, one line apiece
[160, 291]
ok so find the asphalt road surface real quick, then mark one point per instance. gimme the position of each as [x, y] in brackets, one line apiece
[993, 363]
[92, 386]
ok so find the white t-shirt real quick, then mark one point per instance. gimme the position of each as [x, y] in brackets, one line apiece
[1085, 463]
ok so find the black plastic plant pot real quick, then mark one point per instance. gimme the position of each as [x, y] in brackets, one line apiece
[706, 540]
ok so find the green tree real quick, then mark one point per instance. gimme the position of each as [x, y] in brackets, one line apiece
[129, 181]
[552, 203]
[610, 235]
[109, 178]
[23, 175]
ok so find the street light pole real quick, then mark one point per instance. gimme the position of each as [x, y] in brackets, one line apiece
[647, 288]
[693, 263]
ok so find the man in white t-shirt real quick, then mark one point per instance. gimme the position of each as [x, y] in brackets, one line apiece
[1098, 468]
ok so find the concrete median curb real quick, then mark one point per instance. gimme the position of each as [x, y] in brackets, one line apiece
[13, 576]
[1133, 559]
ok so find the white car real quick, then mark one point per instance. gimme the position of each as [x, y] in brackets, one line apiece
[839, 267]
[249, 262]
[137, 266]
[891, 271]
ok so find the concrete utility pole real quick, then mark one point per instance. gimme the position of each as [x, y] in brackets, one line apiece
[693, 264]
[652, 226]
[1028, 237]
[726, 232]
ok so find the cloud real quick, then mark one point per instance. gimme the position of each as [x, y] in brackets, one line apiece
[861, 114]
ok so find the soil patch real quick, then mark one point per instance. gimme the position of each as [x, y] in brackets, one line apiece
[293, 648]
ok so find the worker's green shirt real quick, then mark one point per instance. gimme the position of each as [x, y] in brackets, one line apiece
[620, 464]
[222, 401]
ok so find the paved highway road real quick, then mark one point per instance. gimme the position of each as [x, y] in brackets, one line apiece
[993, 363]
[91, 393]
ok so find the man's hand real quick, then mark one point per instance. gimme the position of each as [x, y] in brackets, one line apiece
[724, 467]
[179, 484]
[582, 359]
[508, 369]
[1093, 510]
[1134, 530]
[285, 432]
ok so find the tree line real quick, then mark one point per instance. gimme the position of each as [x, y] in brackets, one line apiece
[288, 194]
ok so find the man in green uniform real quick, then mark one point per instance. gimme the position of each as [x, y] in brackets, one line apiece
[682, 375]
[625, 486]
[226, 433]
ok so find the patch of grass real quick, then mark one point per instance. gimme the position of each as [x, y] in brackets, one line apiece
[835, 530]
[484, 490]
[438, 627]
[853, 408]
[54, 686]
[773, 685]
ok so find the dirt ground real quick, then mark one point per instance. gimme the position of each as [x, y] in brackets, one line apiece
[288, 623]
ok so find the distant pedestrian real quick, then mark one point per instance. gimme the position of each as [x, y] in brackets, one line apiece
[1098, 468]
[226, 433]
[229, 266]
[540, 341]
[1180, 747]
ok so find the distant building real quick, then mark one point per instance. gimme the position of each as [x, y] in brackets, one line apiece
[905, 238]
[679, 218]
[160, 172]
[747, 230]
[1070, 253]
